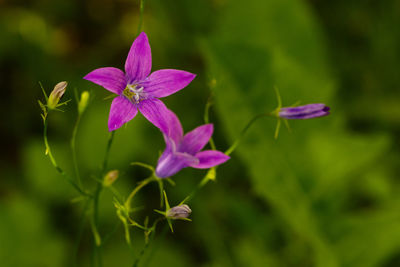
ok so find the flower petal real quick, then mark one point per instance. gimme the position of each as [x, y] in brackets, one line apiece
[165, 82]
[173, 163]
[175, 131]
[157, 113]
[138, 62]
[195, 140]
[304, 112]
[209, 158]
[170, 148]
[122, 110]
[304, 116]
[112, 79]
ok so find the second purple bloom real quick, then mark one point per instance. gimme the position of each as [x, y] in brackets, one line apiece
[185, 150]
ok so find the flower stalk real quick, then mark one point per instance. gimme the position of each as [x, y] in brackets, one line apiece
[54, 162]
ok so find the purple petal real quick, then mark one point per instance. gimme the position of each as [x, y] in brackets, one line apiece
[173, 163]
[165, 82]
[304, 112]
[138, 62]
[122, 110]
[195, 140]
[170, 148]
[157, 113]
[112, 79]
[209, 158]
[304, 116]
[175, 131]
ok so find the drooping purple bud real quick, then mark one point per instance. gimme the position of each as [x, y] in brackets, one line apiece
[304, 112]
[179, 212]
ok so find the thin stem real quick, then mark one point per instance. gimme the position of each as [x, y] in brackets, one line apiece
[200, 185]
[147, 243]
[136, 189]
[207, 120]
[99, 187]
[243, 132]
[109, 143]
[73, 149]
[54, 162]
[140, 16]
[155, 246]
[278, 97]
[80, 231]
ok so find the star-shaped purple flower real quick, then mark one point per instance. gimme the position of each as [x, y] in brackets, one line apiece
[136, 89]
[304, 112]
[185, 151]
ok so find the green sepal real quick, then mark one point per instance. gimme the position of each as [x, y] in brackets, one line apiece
[44, 92]
[161, 212]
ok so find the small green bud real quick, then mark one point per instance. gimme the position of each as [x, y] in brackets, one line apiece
[110, 178]
[56, 94]
[83, 102]
[179, 212]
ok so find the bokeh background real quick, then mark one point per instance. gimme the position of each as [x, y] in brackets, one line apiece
[325, 195]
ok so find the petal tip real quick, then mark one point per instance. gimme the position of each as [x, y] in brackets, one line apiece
[209, 127]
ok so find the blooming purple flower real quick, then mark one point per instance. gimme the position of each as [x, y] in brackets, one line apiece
[136, 89]
[304, 112]
[185, 151]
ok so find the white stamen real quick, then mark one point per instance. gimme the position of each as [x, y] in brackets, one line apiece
[137, 92]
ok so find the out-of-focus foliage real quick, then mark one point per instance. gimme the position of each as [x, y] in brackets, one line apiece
[326, 194]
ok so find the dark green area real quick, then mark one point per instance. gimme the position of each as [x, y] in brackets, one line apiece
[326, 194]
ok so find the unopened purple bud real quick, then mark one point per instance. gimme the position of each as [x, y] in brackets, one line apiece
[304, 112]
[56, 94]
[179, 212]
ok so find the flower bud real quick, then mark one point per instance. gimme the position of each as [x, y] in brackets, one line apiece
[110, 178]
[304, 112]
[56, 94]
[83, 102]
[179, 212]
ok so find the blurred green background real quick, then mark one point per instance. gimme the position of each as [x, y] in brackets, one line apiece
[325, 195]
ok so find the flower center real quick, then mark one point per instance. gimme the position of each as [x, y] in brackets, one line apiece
[134, 93]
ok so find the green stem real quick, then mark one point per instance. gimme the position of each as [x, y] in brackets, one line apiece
[73, 149]
[243, 132]
[96, 197]
[140, 16]
[80, 232]
[148, 241]
[136, 189]
[207, 120]
[54, 162]
[200, 185]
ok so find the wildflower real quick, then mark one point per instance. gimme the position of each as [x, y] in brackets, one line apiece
[304, 112]
[179, 212]
[185, 151]
[56, 94]
[136, 89]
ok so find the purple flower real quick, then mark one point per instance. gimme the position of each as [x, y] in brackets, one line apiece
[304, 112]
[185, 151]
[136, 89]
